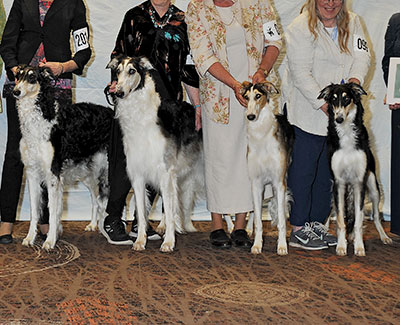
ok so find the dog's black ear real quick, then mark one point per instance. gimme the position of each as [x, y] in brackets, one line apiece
[113, 64]
[46, 74]
[358, 90]
[269, 88]
[325, 93]
[20, 67]
[245, 87]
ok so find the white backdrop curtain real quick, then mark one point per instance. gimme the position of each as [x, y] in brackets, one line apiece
[105, 17]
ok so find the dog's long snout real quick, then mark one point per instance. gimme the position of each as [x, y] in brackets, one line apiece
[16, 92]
[251, 117]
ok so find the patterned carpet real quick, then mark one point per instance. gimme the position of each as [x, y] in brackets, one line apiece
[84, 280]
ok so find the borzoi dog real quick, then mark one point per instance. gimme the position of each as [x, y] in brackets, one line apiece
[352, 164]
[270, 142]
[60, 144]
[161, 145]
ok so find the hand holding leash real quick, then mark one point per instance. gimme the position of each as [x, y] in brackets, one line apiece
[57, 68]
[237, 88]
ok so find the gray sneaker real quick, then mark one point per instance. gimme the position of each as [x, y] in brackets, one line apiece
[306, 238]
[323, 233]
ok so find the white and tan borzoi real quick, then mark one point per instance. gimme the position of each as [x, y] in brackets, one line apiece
[270, 142]
[161, 145]
[352, 164]
[60, 144]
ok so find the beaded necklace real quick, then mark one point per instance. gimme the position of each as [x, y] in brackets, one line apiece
[164, 21]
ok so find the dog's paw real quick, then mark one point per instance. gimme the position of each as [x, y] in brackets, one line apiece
[91, 227]
[387, 240]
[341, 251]
[256, 249]
[28, 241]
[359, 251]
[139, 245]
[49, 244]
[167, 247]
[190, 228]
[282, 250]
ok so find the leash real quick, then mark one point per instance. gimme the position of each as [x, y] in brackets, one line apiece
[108, 95]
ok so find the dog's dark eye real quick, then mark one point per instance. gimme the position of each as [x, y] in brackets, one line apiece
[246, 97]
[258, 96]
[132, 71]
[31, 78]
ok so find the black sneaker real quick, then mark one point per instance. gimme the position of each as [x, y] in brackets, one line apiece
[306, 238]
[323, 233]
[151, 234]
[114, 231]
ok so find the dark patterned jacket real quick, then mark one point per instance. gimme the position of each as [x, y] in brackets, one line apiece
[166, 47]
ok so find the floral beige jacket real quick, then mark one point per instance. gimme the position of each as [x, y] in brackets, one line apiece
[207, 37]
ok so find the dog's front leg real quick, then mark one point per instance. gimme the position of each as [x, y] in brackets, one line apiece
[169, 192]
[257, 190]
[341, 248]
[35, 192]
[281, 202]
[359, 249]
[55, 192]
[139, 188]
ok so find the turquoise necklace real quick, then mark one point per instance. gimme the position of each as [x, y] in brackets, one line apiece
[164, 21]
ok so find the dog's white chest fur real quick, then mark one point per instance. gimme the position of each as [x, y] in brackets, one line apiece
[35, 145]
[260, 133]
[144, 143]
[348, 163]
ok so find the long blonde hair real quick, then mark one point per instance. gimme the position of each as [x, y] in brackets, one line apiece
[342, 22]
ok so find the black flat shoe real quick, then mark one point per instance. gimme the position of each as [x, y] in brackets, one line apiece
[240, 238]
[219, 238]
[6, 239]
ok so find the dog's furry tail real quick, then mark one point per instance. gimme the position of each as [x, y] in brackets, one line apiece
[349, 209]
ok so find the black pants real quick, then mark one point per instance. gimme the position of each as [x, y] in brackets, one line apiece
[13, 168]
[120, 184]
[395, 175]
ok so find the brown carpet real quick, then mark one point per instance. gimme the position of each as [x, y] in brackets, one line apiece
[85, 280]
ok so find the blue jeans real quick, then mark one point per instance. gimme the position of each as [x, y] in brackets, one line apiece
[309, 179]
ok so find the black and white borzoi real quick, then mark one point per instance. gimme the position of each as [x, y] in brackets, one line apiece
[352, 164]
[60, 144]
[270, 142]
[161, 145]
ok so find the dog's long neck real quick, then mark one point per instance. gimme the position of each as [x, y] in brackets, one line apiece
[35, 122]
[265, 124]
[139, 107]
[348, 132]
